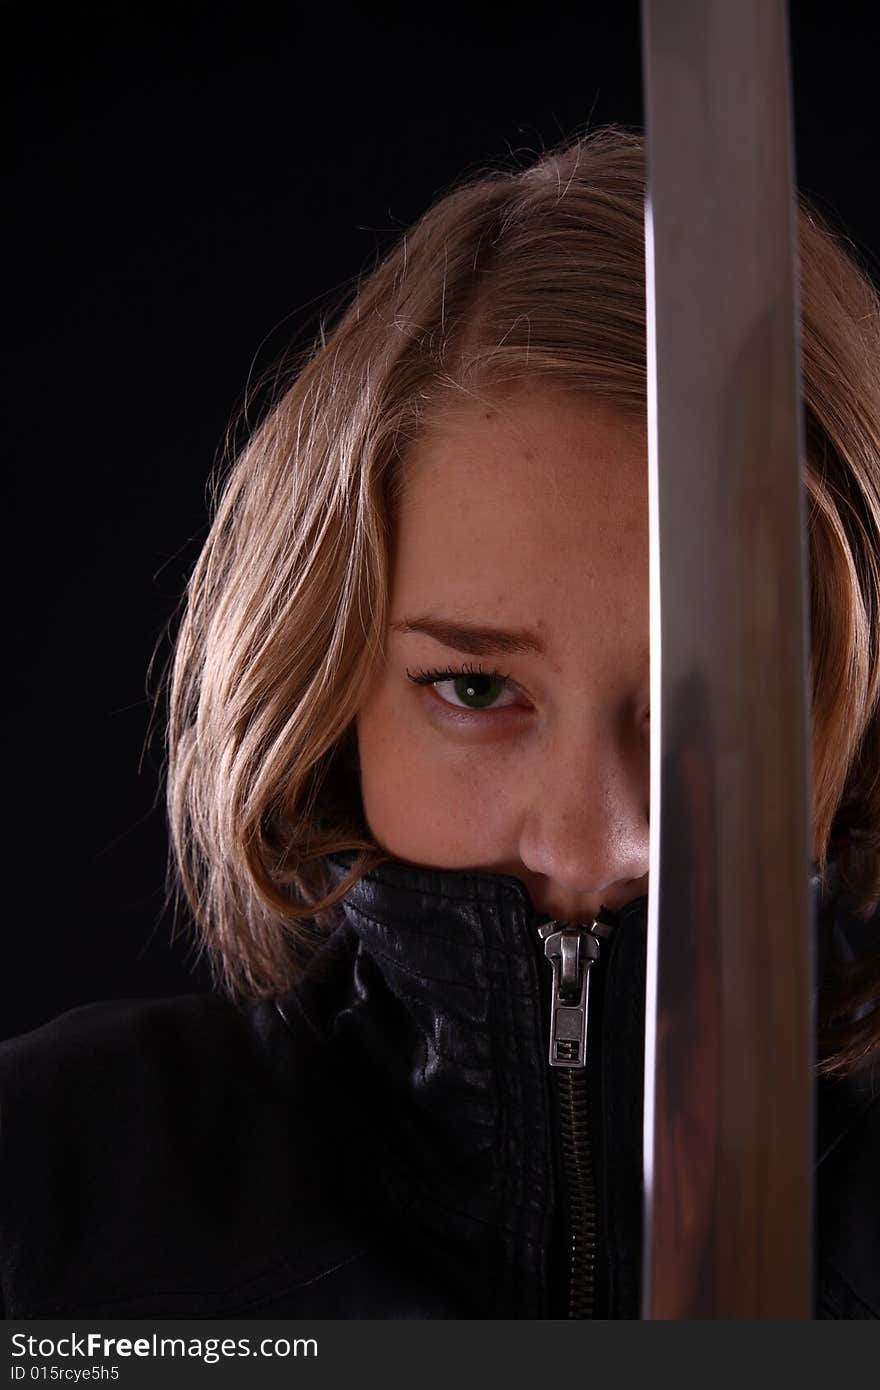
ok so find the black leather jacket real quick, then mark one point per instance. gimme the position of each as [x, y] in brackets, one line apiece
[383, 1142]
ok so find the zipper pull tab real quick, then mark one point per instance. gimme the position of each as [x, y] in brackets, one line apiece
[571, 951]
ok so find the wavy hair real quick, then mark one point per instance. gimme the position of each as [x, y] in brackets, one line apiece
[537, 272]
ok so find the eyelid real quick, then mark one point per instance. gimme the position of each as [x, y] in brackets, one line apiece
[440, 675]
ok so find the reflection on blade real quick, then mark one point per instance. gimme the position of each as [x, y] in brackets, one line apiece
[728, 1094]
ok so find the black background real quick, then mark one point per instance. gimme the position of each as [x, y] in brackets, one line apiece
[188, 188]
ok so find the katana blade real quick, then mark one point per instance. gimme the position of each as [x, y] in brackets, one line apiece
[729, 1037]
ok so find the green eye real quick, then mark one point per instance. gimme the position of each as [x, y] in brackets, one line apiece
[477, 692]
[473, 690]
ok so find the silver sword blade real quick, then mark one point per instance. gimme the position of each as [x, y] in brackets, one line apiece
[729, 1051]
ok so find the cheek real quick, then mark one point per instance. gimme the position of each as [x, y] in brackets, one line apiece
[427, 799]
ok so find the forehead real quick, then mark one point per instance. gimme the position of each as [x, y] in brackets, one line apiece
[532, 509]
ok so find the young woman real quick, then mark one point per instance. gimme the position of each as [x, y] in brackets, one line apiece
[409, 728]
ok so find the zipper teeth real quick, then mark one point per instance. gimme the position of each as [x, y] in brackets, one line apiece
[577, 1157]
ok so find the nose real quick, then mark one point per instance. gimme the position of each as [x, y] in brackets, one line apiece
[584, 833]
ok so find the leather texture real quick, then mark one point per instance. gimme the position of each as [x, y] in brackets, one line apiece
[379, 1143]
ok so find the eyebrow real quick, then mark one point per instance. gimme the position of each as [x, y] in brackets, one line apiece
[471, 638]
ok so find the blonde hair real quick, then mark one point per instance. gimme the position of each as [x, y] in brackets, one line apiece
[537, 273]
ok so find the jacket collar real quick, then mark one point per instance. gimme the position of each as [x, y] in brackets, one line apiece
[431, 1002]
[391, 907]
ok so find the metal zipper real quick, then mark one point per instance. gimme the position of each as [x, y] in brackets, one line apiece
[571, 949]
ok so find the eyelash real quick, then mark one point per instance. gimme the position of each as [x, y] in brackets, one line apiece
[436, 676]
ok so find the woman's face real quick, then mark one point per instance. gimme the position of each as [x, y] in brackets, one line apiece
[529, 516]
